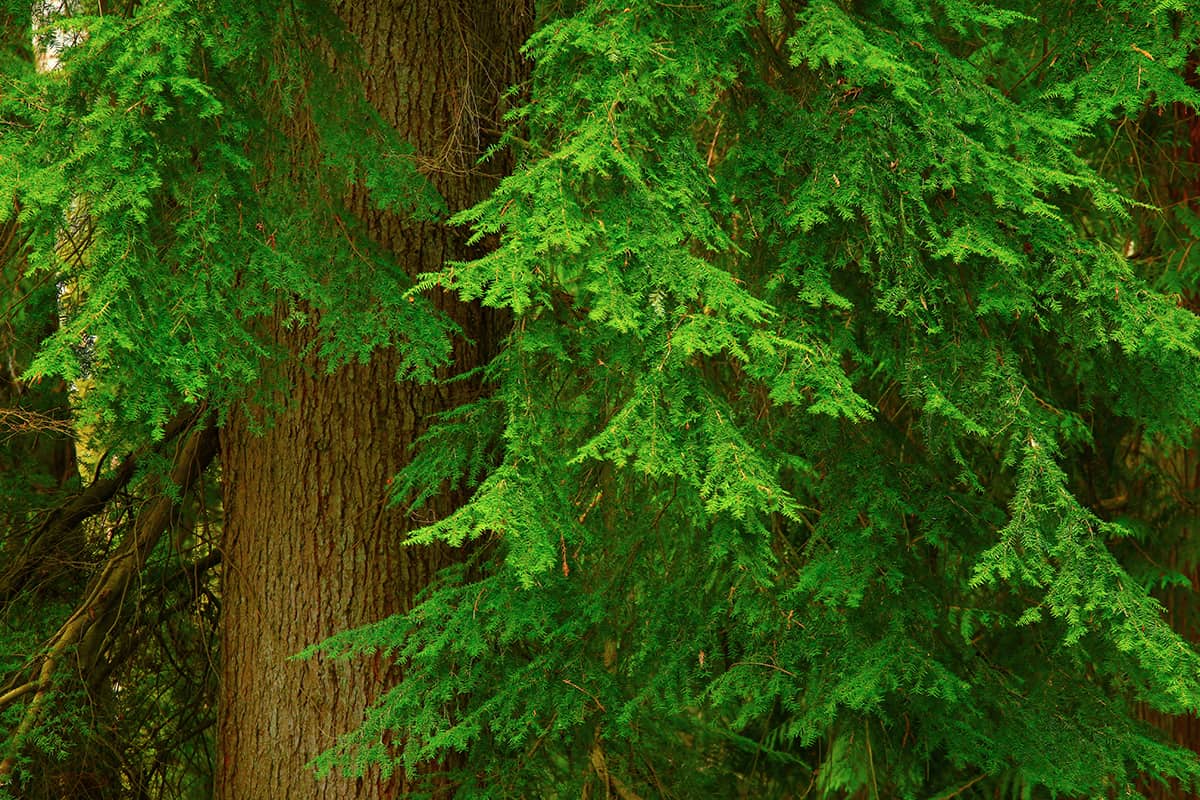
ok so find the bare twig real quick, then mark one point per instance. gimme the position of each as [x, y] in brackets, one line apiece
[22, 420]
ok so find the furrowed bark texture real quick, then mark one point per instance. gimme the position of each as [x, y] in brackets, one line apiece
[1181, 602]
[311, 547]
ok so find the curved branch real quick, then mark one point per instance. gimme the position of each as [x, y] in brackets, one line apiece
[84, 505]
[109, 587]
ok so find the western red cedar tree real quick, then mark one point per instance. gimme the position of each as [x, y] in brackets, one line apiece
[789, 380]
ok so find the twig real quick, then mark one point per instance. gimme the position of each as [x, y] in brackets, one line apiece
[962, 788]
[585, 691]
[775, 667]
[109, 587]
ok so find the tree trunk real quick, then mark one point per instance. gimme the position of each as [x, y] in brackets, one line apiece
[1181, 602]
[311, 547]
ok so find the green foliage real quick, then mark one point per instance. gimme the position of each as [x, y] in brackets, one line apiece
[727, 216]
[827, 351]
[155, 139]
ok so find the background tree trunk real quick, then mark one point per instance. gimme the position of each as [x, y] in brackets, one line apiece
[311, 547]
[1183, 187]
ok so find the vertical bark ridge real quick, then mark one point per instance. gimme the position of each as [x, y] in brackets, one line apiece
[311, 547]
[1180, 602]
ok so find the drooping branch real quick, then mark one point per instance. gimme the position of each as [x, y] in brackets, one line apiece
[110, 586]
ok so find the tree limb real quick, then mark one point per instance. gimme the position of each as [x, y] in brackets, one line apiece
[87, 503]
[110, 586]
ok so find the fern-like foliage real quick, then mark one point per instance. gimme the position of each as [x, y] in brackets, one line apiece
[825, 331]
[812, 318]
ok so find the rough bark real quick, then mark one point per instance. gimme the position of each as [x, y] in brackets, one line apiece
[1181, 602]
[311, 547]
